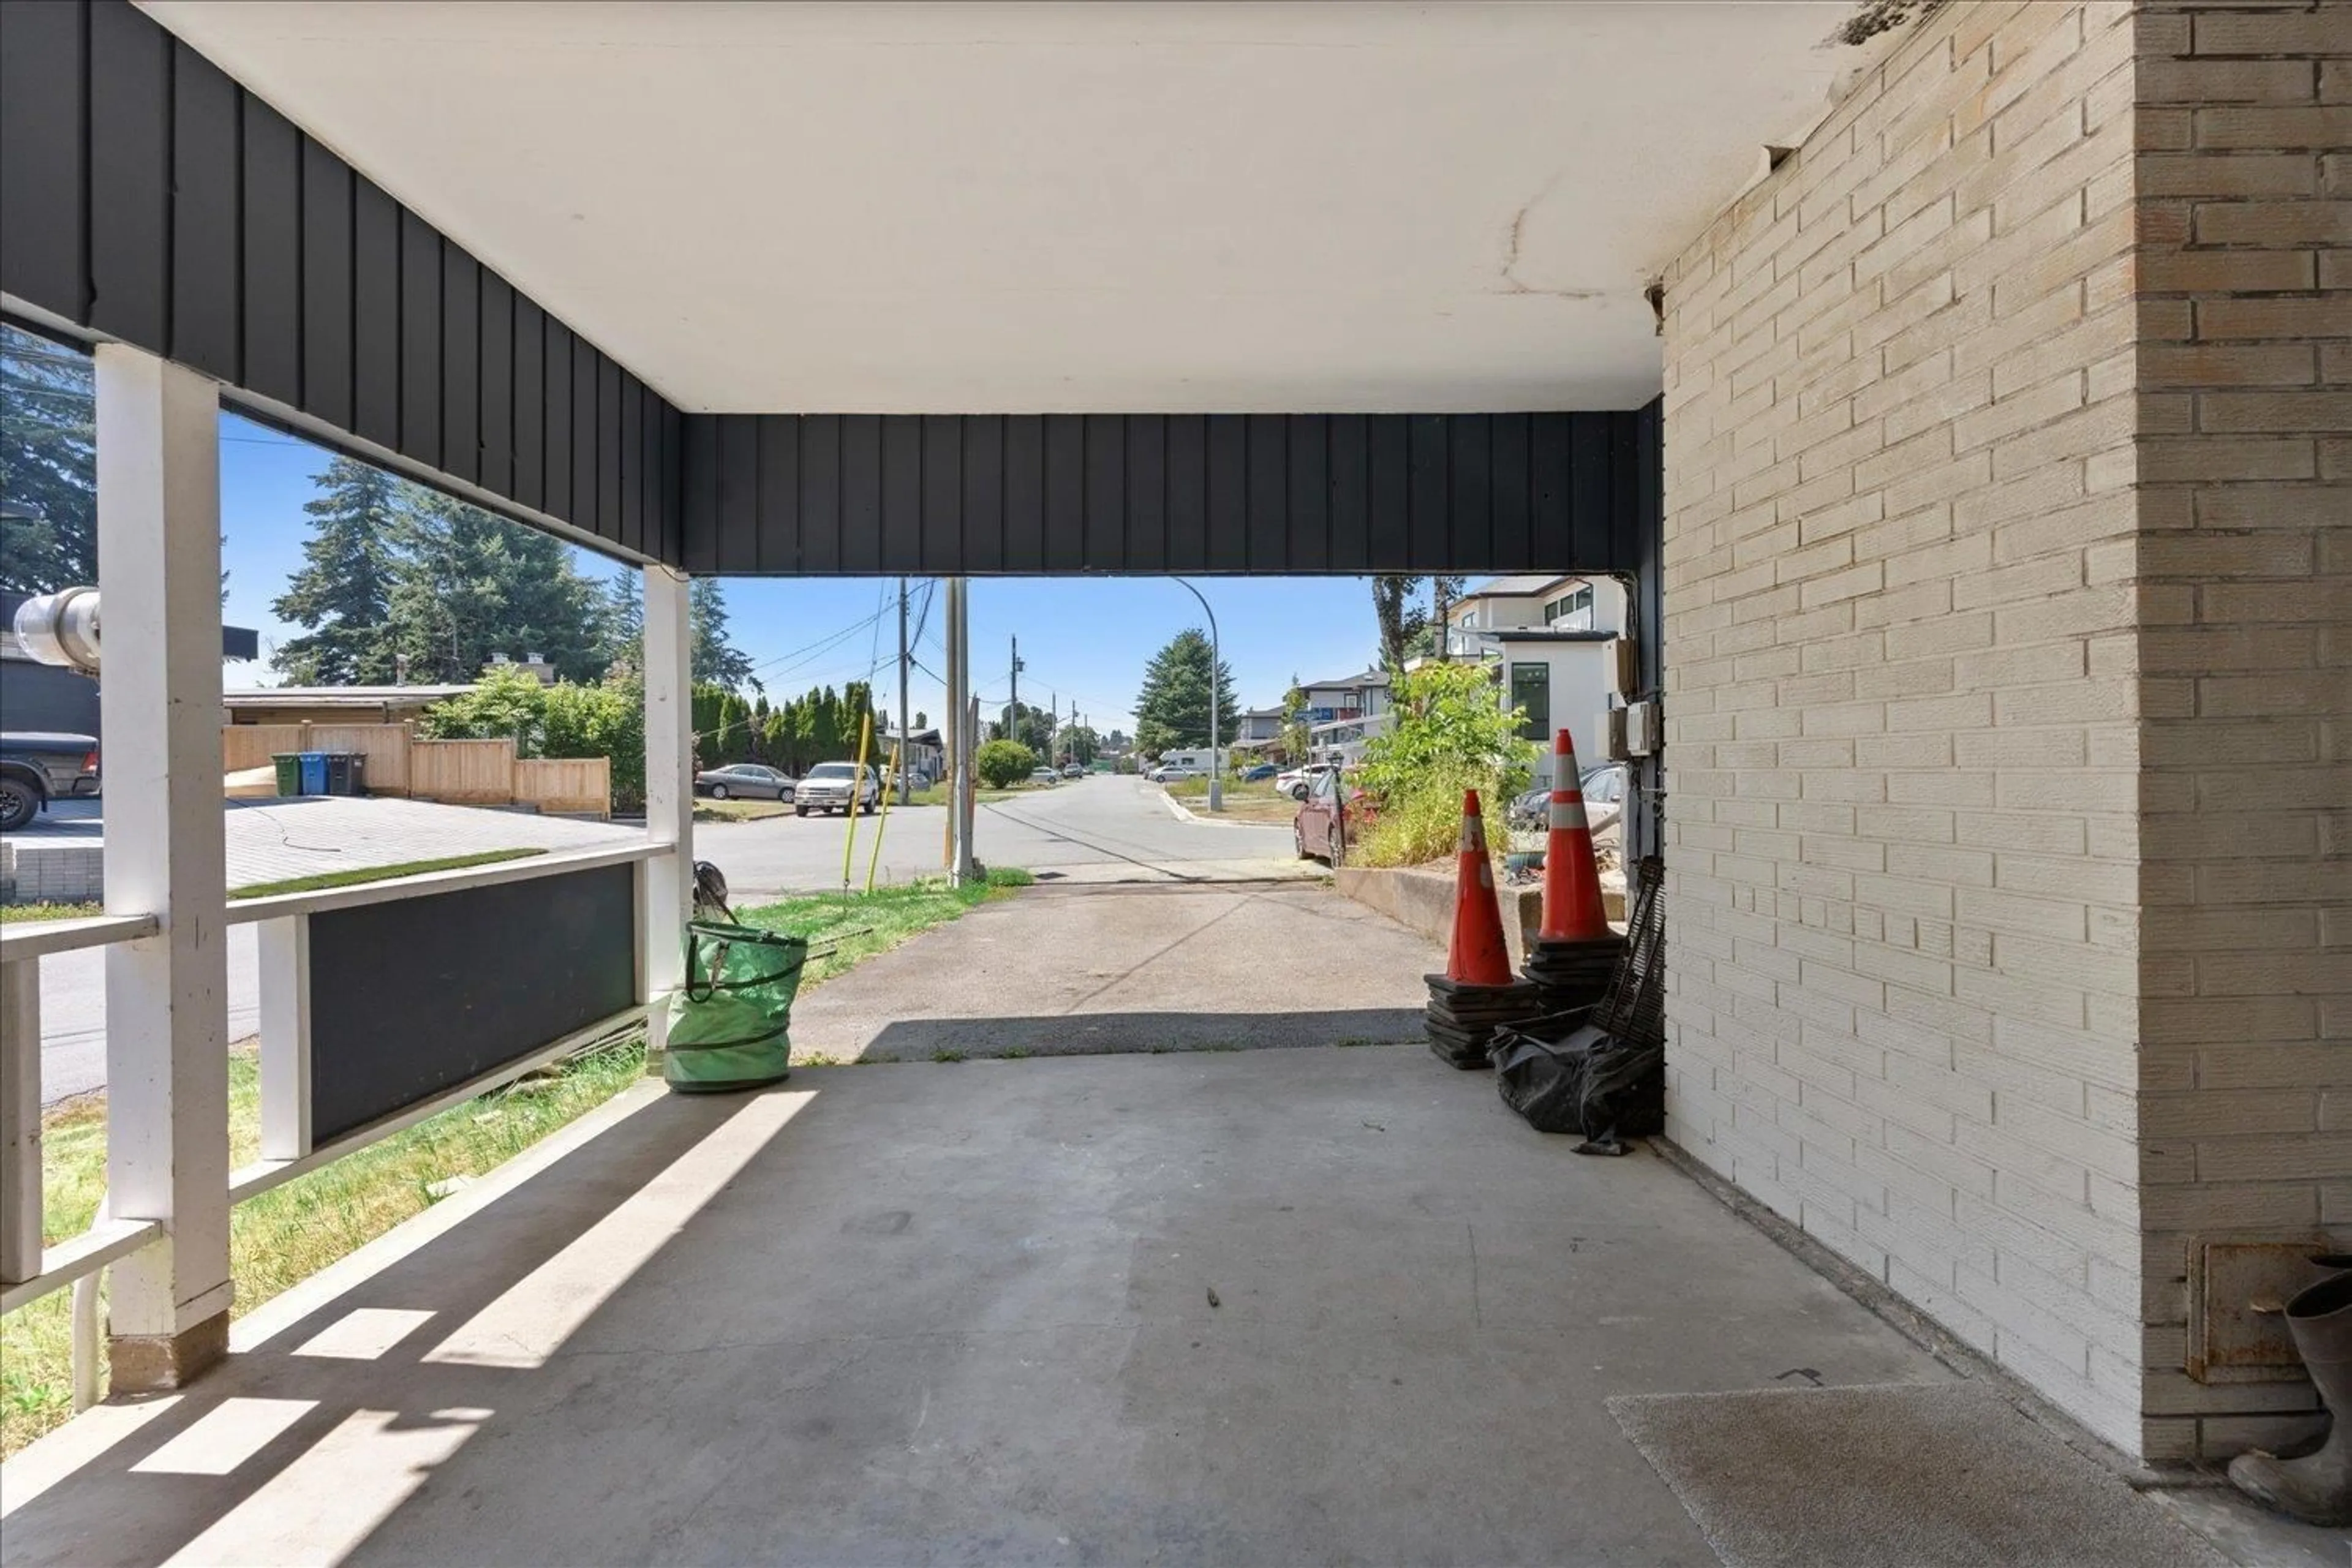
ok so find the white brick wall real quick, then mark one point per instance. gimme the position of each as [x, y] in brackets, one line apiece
[1904, 700]
[2245, 388]
[2009, 635]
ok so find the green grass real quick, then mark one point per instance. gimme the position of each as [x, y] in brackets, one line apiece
[360, 873]
[1258, 802]
[739, 810]
[938, 792]
[12, 913]
[291, 1232]
[864, 924]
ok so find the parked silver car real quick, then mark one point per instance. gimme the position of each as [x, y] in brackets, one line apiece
[836, 786]
[743, 780]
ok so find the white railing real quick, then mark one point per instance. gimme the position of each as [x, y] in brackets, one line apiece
[29, 1269]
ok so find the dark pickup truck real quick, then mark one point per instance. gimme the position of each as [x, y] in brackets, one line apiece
[37, 768]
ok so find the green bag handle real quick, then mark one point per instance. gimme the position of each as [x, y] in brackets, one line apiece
[722, 936]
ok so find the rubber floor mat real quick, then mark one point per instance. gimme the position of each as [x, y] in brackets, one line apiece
[1894, 1475]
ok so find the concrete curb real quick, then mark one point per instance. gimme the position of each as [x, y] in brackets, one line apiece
[1184, 813]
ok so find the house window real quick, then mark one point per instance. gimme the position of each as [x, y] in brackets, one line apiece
[1531, 695]
[1575, 605]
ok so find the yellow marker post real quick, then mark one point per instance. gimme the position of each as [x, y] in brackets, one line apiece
[856, 785]
[883, 825]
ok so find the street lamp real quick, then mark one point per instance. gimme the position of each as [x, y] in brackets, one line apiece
[1216, 782]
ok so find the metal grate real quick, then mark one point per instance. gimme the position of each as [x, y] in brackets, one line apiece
[1634, 1011]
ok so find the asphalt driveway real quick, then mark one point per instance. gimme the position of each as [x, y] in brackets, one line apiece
[1068, 968]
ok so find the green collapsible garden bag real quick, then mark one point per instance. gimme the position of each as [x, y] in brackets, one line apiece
[729, 1027]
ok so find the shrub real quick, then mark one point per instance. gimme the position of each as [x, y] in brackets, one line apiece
[559, 720]
[1449, 734]
[1003, 763]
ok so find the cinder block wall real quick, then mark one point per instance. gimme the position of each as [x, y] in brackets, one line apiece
[1902, 711]
[2245, 474]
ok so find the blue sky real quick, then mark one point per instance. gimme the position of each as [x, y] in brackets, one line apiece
[1086, 638]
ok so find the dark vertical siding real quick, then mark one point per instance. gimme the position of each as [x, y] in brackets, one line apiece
[45, 194]
[461, 364]
[327, 281]
[272, 272]
[861, 492]
[529, 403]
[1184, 492]
[375, 315]
[146, 196]
[207, 299]
[495, 427]
[130, 172]
[902, 491]
[420, 340]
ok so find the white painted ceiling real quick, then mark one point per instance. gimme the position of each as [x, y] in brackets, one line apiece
[1019, 207]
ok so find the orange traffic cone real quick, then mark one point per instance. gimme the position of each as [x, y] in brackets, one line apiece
[1477, 956]
[1572, 910]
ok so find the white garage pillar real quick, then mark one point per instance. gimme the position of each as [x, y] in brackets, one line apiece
[166, 996]
[667, 880]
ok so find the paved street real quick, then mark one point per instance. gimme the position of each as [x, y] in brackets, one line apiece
[1103, 827]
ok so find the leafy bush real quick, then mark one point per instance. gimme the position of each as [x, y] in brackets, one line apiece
[1003, 763]
[559, 720]
[1450, 734]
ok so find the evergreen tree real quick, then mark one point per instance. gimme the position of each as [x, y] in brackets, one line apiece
[552, 609]
[342, 594]
[621, 621]
[715, 659]
[448, 608]
[49, 465]
[1173, 709]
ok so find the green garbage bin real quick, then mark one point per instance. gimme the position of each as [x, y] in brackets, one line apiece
[289, 771]
[729, 1027]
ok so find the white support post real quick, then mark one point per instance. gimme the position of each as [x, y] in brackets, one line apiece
[166, 996]
[667, 880]
[20, 1120]
[285, 948]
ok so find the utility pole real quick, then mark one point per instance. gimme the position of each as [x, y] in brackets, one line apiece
[1012, 710]
[964, 720]
[905, 793]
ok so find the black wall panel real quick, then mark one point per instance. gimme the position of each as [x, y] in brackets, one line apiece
[207, 171]
[129, 173]
[147, 197]
[461, 364]
[375, 315]
[420, 995]
[272, 269]
[938, 494]
[144, 195]
[45, 171]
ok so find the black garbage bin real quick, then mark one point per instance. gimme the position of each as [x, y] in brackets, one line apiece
[346, 773]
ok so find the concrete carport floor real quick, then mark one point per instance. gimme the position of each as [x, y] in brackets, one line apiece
[1066, 969]
[1316, 1305]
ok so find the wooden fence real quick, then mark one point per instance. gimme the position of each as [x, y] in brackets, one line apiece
[386, 747]
[573, 785]
[467, 773]
[247, 746]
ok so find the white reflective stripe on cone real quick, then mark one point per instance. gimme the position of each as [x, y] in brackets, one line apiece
[1568, 811]
[1474, 835]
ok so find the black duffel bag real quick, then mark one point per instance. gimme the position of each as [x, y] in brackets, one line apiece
[1568, 1077]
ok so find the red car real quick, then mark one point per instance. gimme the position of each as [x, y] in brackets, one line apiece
[1334, 812]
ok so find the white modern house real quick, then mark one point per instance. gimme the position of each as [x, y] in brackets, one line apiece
[1553, 642]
